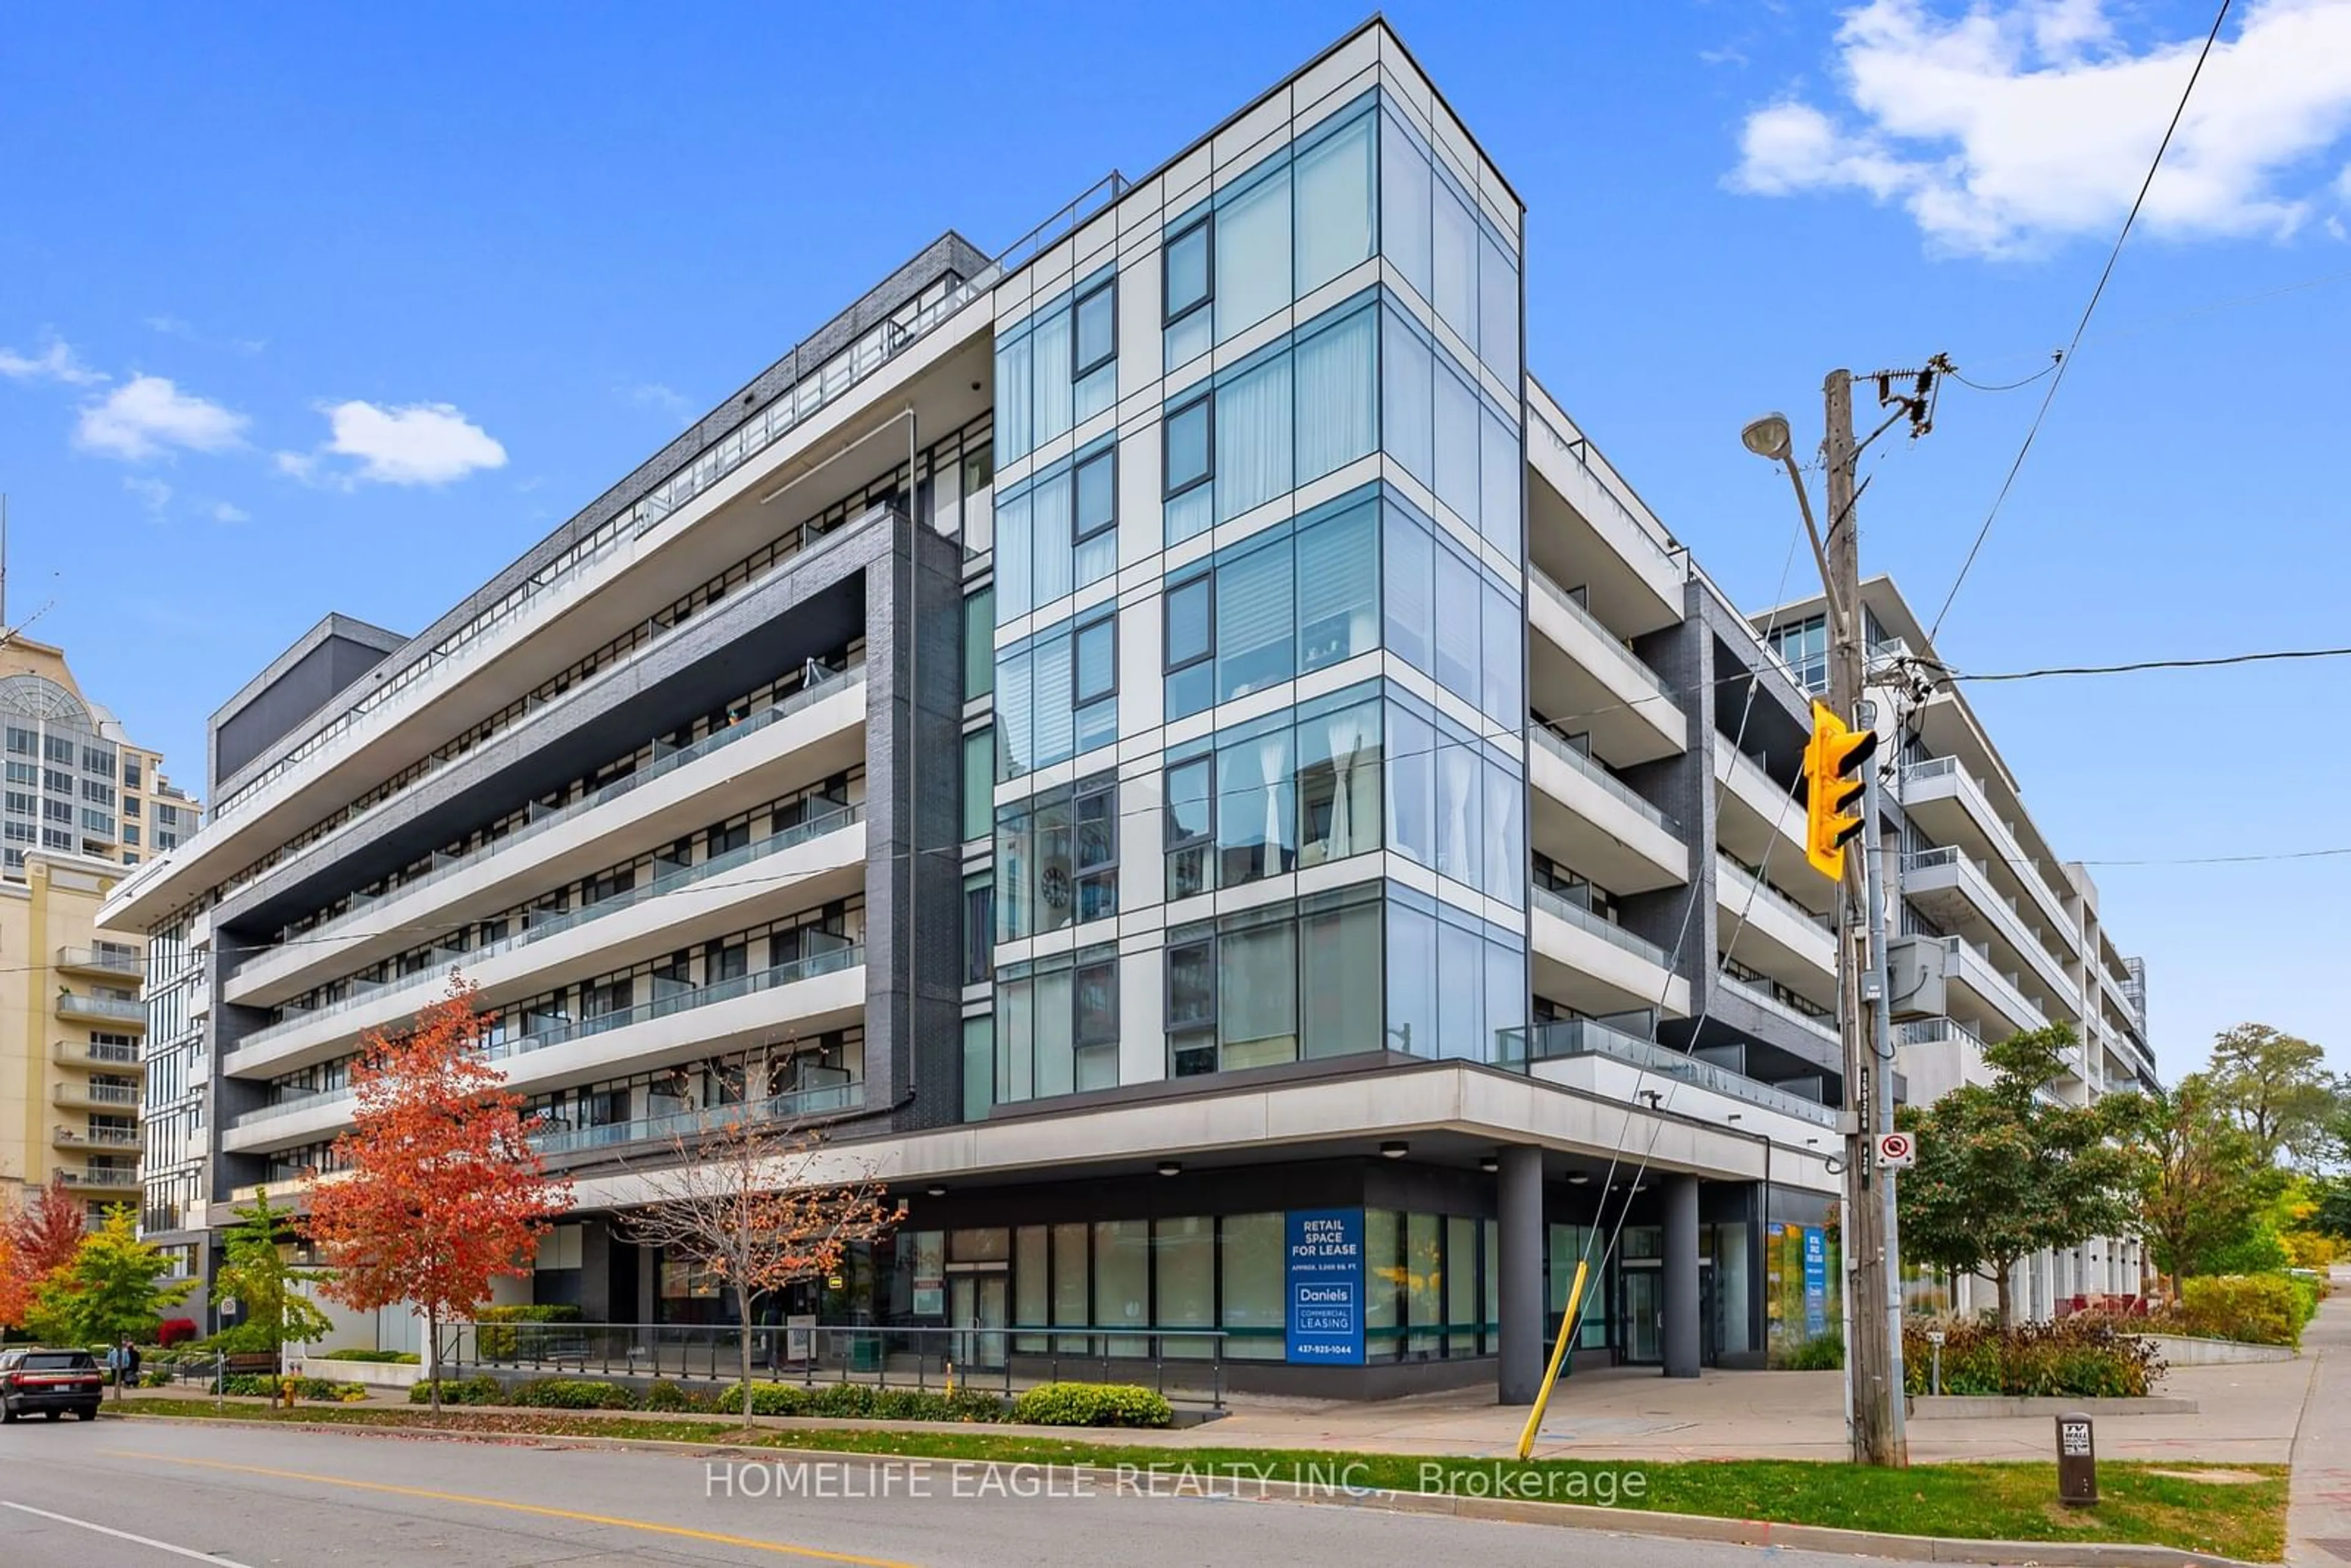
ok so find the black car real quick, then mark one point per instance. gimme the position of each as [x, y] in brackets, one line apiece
[51, 1382]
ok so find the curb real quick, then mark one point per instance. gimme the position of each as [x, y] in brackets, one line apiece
[1761, 1533]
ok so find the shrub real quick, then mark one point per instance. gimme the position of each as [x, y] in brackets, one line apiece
[460, 1391]
[175, 1331]
[266, 1384]
[1092, 1405]
[2254, 1309]
[2083, 1356]
[380, 1357]
[855, 1401]
[571, 1393]
[495, 1338]
[669, 1398]
[1822, 1353]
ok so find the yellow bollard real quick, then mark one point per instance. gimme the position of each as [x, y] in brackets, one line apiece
[950, 1367]
[1558, 1359]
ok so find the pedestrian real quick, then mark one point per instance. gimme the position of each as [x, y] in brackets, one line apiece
[126, 1361]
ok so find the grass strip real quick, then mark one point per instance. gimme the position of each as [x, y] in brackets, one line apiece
[2140, 1503]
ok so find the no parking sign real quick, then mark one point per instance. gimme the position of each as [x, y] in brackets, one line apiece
[1897, 1151]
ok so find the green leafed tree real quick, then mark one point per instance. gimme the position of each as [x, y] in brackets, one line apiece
[256, 1272]
[2003, 1174]
[2277, 1087]
[2203, 1179]
[113, 1288]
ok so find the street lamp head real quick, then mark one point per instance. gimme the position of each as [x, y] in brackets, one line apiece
[1767, 436]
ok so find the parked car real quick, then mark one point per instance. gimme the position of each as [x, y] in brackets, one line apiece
[51, 1382]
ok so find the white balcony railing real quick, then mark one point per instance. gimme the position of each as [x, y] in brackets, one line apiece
[1601, 775]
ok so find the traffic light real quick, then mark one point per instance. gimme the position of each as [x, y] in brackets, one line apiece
[1834, 784]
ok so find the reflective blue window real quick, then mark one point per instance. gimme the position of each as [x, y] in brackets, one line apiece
[1056, 694]
[1058, 367]
[1058, 530]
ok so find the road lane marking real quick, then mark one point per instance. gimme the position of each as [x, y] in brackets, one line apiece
[614, 1522]
[218, 1561]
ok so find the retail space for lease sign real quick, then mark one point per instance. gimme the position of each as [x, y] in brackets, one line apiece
[1323, 1282]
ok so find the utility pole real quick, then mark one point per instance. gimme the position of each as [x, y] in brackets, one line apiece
[1873, 1351]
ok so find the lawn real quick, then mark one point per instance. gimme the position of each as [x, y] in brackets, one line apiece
[2141, 1503]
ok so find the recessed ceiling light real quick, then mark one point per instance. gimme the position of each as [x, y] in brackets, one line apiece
[1394, 1149]
[1170, 1167]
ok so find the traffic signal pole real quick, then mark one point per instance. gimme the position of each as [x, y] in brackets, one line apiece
[1873, 1351]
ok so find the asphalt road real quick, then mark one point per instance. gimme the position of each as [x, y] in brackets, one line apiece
[145, 1494]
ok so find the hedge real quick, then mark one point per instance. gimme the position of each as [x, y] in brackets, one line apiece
[264, 1386]
[460, 1391]
[571, 1393]
[2253, 1309]
[382, 1357]
[2082, 1356]
[1092, 1405]
[494, 1340]
[863, 1401]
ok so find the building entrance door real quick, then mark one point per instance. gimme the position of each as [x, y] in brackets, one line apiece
[1644, 1312]
[978, 1309]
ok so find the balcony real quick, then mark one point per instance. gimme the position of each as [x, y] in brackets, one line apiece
[1527, 1051]
[700, 1020]
[94, 1137]
[99, 1179]
[1957, 894]
[707, 897]
[1952, 803]
[83, 1095]
[1586, 817]
[113, 1012]
[843, 1092]
[1580, 667]
[1970, 973]
[106, 961]
[1761, 995]
[633, 811]
[1595, 966]
[93, 1053]
[1766, 929]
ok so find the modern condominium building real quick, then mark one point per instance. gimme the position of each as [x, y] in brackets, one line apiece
[1167, 741]
[80, 798]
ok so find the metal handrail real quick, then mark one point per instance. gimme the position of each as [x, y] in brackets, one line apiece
[562, 1031]
[1763, 994]
[539, 930]
[844, 1095]
[660, 767]
[1590, 769]
[1772, 894]
[111, 960]
[101, 1007]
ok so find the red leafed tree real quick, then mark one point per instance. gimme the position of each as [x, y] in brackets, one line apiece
[46, 1231]
[442, 1192]
[16, 1287]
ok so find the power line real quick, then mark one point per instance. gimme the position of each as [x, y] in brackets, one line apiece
[1944, 672]
[2065, 360]
[2054, 361]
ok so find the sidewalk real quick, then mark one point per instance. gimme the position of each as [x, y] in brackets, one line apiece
[2246, 1415]
[2318, 1521]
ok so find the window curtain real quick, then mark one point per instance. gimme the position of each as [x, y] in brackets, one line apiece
[1505, 845]
[1254, 612]
[1049, 514]
[1456, 782]
[1334, 204]
[1339, 588]
[1338, 388]
[1273, 758]
[1013, 558]
[1252, 254]
[1052, 348]
[1052, 719]
[1409, 414]
[1014, 430]
[1253, 436]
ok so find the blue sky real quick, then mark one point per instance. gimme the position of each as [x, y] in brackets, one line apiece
[339, 309]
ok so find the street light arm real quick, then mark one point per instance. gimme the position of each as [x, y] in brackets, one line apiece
[1812, 532]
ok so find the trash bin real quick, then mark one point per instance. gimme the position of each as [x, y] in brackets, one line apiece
[866, 1353]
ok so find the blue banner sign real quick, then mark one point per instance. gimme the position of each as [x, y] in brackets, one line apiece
[1324, 1282]
[1816, 1282]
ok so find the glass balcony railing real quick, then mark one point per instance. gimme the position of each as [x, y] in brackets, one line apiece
[292, 1104]
[112, 1009]
[1561, 596]
[1765, 996]
[1520, 1050]
[538, 929]
[838, 1092]
[1602, 776]
[660, 767]
[97, 1053]
[1744, 880]
[109, 1178]
[106, 958]
[1565, 908]
[540, 1032]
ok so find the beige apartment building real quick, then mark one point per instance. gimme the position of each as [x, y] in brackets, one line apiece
[81, 804]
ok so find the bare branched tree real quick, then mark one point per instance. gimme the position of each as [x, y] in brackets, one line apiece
[759, 1208]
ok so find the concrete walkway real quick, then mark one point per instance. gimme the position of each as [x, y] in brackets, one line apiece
[2318, 1522]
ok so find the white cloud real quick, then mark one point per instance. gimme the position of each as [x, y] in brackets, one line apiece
[667, 399]
[2025, 123]
[418, 443]
[175, 327]
[58, 362]
[153, 494]
[147, 415]
[228, 512]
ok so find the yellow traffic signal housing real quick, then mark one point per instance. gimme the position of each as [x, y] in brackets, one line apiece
[1834, 784]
